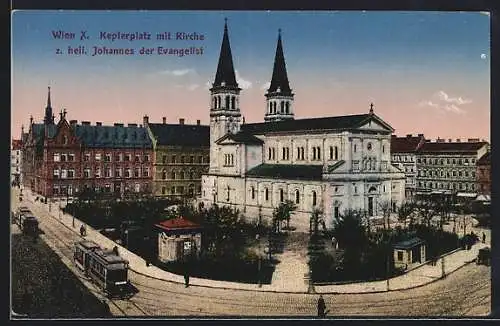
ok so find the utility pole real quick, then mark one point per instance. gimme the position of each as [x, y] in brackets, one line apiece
[443, 272]
[387, 270]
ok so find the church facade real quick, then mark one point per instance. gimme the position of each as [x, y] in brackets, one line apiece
[332, 163]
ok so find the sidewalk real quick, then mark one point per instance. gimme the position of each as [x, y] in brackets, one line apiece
[289, 277]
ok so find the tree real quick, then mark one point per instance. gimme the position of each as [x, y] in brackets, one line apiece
[385, 207]
[443, 208]
[427, 209]
[405, 211]
[282, 213]
[316, 220]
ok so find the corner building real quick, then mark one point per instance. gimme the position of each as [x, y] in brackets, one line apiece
[332, 163]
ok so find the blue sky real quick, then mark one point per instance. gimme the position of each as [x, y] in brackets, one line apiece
[336, 61]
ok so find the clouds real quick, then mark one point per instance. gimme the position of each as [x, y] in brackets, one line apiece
[178, 72]
[445, 103]
[243, 83]
[265, 86]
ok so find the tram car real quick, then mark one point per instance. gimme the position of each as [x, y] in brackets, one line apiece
[26, 221]
[107, 269]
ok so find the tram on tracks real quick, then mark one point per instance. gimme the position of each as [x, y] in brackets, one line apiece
[104, 267]
[26, 221]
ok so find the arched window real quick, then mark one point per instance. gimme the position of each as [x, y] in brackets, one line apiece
[336, 153]
[281, 195]
[214, 102]
[287, 105]
[282, 104]
[253, 192]
[233, 103]
[173, 175]
[297, 197]
[314, 198]
[314, 153]
[164, 174]
[331, 153]
[267, 194]
[227, 102]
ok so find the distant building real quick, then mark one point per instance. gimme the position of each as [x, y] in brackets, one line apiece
[181, 155]
[483, 174]
[404, 156]
[449, 168]
[65, 158]
[16, 162]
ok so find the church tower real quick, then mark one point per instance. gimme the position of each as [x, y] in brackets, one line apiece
[49, 117]
[225, 115]
[279, 96]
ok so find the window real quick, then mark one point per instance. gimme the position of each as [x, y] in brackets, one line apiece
[466, 173]
[118, 172]
[454, 173]
[173, 175]
[182, 159]
[56, 174]
[86, 173]
[400, 256]
[281, 195]
[191, 159]
[97, 172]
[174, 159]
[297, 197]
[383, 148]
[191, 175]
[98, 156]
[355, 147]
[460, 161]
[369, 146]
[266, 191]
[163, 190]
[164, 159]
[107, 158]
[336, 153]
[137, 172]
[146, 158]
[86, 157]
[128, 173]
[65, 140]
[200, 159]
[314, 153]
[63, 158]
[128, 157]
[269, 156]
[314, 198]
[331, 153]
[459, 173]
[164, 174]
[302, 153]
[319, 153]
[172, 190]
[145, 172]
[107, 172]
[71, 157]
[137, 158]
[454, 161]
[181, 175]
[119, 157]
[336, 212]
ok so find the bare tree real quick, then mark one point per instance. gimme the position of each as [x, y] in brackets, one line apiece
[405, 211]
[385, 207]
[427, 209]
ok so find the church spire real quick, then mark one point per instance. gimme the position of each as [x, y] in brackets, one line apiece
[225, 76]
[279, 80]
[48, 119]
[279, 96]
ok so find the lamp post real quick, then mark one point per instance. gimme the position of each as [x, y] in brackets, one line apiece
[259, 263]
[443, 272]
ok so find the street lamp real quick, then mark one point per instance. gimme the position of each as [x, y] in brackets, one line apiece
[257, 237]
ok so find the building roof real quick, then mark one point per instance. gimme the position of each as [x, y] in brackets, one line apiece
[287, 171]
[180, 135]
[178, 223]
[451, 147]
[406, 144]
[485, 159]
[279, 79]
[242, 138]
[16, 144]
[408, 244]
[225, 69]
[117, 136]
[329, 123]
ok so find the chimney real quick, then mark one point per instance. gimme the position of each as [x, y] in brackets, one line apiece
[181, 121]
[73, 122]
[198, 122]
[408, 136]
[98, 123]
[86, 123]
[458, 140]
[420, 135]
[118, 124]
[132, 124]
[145, 120]
[450, 140]
[164, 120]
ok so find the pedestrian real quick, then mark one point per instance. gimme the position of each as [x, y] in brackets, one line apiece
[83, 232]
[484, 238]
[321, 307]
[186, 279]
[115, 251]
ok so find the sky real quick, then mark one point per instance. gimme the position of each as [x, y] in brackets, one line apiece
[425, 72]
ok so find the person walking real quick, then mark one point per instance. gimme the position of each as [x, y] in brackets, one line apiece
[321, 307]
[83, 232]
[186, 278]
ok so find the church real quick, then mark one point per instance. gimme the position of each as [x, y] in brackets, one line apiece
[331, 163]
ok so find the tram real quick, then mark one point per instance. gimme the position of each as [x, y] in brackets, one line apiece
[104, 267]
[26, 221]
